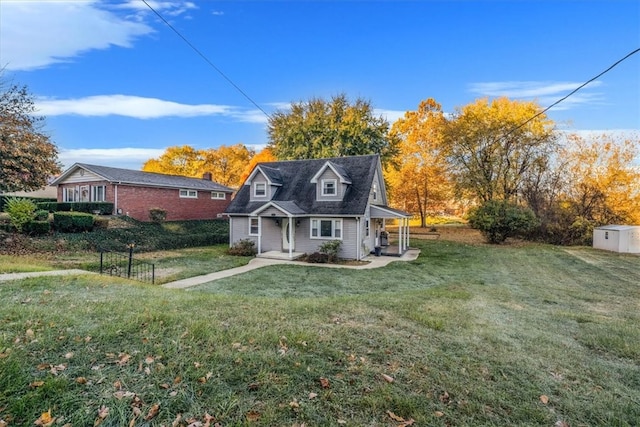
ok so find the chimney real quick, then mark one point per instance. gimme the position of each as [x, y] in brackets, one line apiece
[207, 176]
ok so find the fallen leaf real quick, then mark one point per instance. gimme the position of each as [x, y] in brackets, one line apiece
[123, 359]
[68, 355]
[394, 416]
[81, 380]
[3, 423]
[149, 360]
[165, 386]
[176, 422]
[103, 412]
[36, 384]
[122, 394]
[45, 419]
[407, 423]
[30, 334]
[173, 393]
[439, 414]
[342, 422]
[177, 380]
[544, 399]
[561, 424]
[324, 383]
[117, 385]
[294, 404]
[152, 412]
[388, 378]
[444, 397]
[253, 416]
[313, 395]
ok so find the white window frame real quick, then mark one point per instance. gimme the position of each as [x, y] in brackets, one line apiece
[316, 226]
[98, 193]
[188, 194]
[70, 194]
[218, 195]
[324, 187]
[375, 191]
[257, 225]
[263, 185]
[367, 227]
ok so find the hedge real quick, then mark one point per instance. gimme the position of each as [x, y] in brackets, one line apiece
[70, 222]
[3, 200]
[38, 228]
[105, 208]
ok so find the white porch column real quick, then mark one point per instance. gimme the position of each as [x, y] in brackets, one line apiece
[407, 243]
[400, 235]
[259, 234]
[291, 225]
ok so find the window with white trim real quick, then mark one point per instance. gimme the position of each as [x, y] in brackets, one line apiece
[98, 193]
[366, 228]
[218, 195]
[375, 191]
[260, 189]
[329, 187]
[254, 226]
[70, 194]
[326, 228]
[188, 194]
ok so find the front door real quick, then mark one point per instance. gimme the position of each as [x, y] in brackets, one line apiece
[288, 230]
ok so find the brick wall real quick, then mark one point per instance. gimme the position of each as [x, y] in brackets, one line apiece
[136, 202]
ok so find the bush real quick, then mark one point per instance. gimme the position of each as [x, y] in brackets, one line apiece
[47, 206]
[318, 258]
[157, 215]
[498, 219]
[38, 228]
[20, 212]
[244, 247]
[41, 215]
[72, 222]
[104, 208]
[331, 248]
[100, 223]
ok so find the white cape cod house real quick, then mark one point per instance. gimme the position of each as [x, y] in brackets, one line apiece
[292, 207]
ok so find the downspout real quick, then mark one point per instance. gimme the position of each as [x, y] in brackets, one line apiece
[230, 231]
[115, 198]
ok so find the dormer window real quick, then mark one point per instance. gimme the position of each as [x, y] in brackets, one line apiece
[260, 189]
[375, 191]
[329, 187]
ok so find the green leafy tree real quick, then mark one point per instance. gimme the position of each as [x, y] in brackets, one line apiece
[21, 212]
[493, 146]
[28, 158]
[318, 128]
[499, 219]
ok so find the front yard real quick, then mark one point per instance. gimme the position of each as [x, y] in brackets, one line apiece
[466, 335]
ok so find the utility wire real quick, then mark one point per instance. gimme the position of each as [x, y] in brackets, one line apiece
[571, 93]
[202, 55]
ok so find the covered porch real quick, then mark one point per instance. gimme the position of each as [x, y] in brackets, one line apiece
[380, 215]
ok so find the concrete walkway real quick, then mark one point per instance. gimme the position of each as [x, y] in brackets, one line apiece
[372, 262]
[18, 276]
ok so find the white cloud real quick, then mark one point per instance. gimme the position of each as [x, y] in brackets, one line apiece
[36, 34]
[168, 8]
[545, 93]
[127, 158]
[389, 115]
[140, 108]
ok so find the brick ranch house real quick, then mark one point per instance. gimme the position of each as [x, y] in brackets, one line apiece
[133, 192]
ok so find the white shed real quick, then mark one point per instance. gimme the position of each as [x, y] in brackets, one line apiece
[617, 238]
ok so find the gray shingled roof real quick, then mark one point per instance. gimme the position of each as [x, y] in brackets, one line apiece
[151, 179]
[296, 175]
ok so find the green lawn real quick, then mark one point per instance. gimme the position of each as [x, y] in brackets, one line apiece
[470, 335]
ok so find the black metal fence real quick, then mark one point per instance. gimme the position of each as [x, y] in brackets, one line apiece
[124, 265]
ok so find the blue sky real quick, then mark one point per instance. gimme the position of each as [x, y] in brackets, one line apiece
[118, 86]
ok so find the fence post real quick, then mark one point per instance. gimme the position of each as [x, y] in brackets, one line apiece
[130, 246]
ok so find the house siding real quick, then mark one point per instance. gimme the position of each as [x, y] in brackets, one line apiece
[340, 188]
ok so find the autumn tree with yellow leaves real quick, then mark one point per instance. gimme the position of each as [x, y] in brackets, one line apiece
[226, 164]
[420, 183]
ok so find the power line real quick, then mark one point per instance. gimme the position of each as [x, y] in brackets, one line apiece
[202, 55]
[572, 92]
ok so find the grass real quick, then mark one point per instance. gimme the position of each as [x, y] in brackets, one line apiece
[471, 335]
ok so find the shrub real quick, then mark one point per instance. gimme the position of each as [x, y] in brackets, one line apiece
[41, 215]
[20, 212]
[47, 206]
[100, 223]
[498, 219]
[38, 228]
[331, 248]
[71, 222]
[157, 215]
[244, 247]
[318, 258]
[104, 208]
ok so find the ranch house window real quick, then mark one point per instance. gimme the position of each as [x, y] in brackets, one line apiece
[189, 194]
[218, 195]
[260, 189]
[254, 226]
[329, 187]
[70, 194]
[99, 193]
[326, 228]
